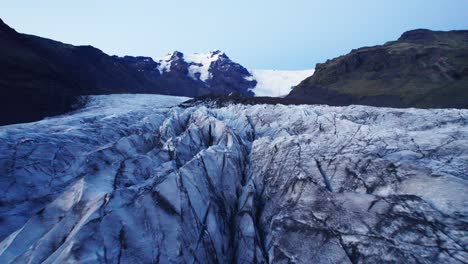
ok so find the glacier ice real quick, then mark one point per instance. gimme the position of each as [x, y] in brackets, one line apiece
[139, 179]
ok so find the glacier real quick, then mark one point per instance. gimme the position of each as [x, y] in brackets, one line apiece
[277, 83]
[147, 179]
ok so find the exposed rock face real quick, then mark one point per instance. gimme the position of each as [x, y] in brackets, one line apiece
[230, 77]
[422, 68]
[144, 65]
[135, 179]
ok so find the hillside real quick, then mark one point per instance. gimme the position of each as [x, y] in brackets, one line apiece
[422, 68]
[42, 77]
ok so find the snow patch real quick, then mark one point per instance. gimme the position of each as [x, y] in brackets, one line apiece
[165, 63]
[200, 63]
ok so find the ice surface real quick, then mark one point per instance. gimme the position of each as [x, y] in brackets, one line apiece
[138, 179]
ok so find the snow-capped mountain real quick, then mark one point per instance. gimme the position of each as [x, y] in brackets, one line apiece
[195, 74]
[216, 64]
[142, 179]
[221, 75]
[206, 66]
[199, 64]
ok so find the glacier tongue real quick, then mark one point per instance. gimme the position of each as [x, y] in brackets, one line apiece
[135, 178]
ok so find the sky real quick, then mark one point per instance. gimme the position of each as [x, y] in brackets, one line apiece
[259, 34]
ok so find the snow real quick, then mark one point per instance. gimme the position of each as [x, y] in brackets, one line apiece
[200, 63]
[165, 63]
[276, 82]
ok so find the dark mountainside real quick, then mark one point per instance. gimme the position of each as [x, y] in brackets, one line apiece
[42, 77]
[423, 68]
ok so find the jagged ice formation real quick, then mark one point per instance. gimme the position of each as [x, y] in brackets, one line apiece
[138, 179]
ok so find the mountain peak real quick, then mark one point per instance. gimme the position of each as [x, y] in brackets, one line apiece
[418, 35]
[423, 36]
[177, 54]
[220, 54]
[198, 63]
[4, 28]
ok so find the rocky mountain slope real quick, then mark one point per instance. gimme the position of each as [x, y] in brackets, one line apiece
[41, 77]
[138, 179]
[422, 68]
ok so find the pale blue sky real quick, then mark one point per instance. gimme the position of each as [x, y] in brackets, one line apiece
[260, 34]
